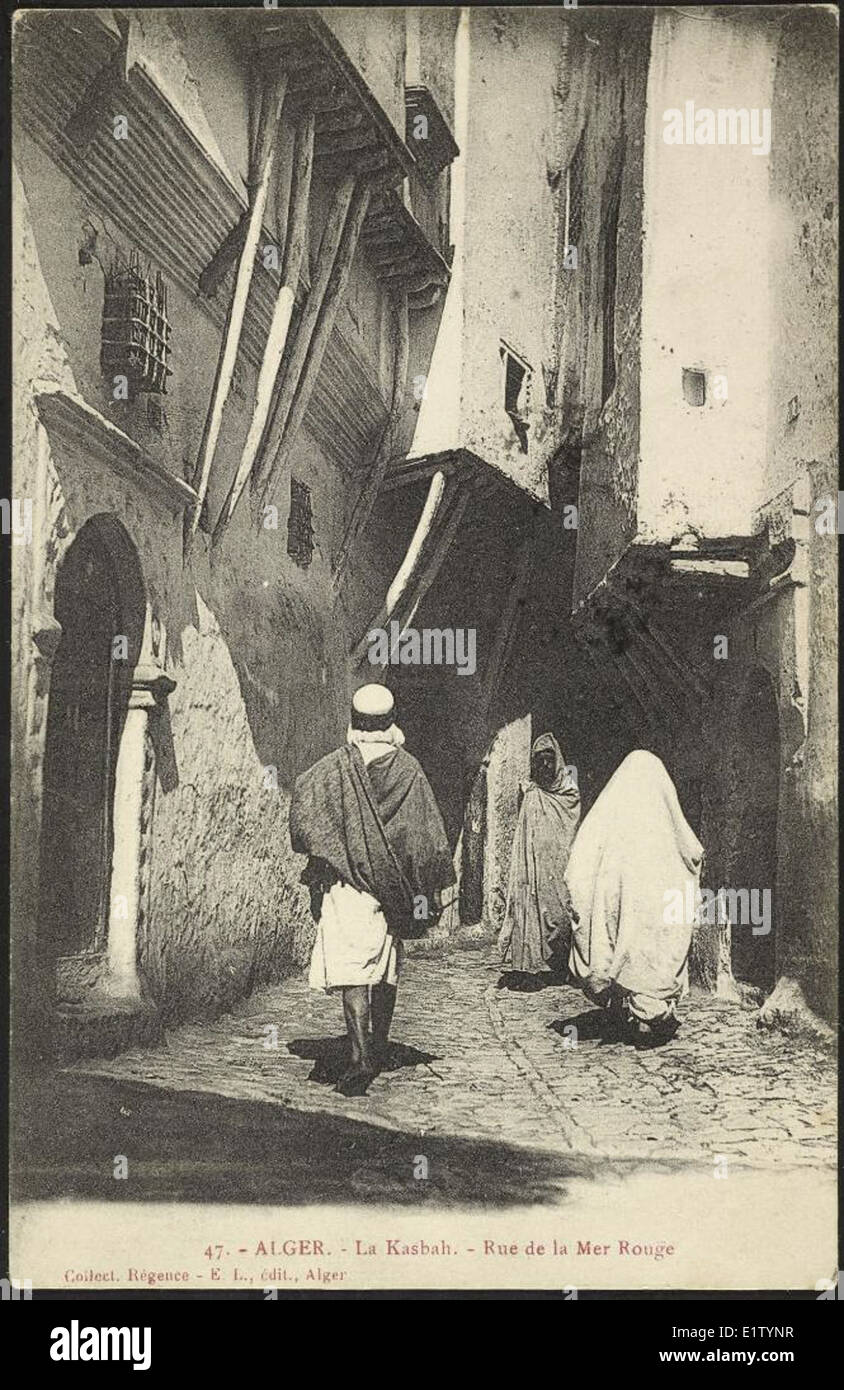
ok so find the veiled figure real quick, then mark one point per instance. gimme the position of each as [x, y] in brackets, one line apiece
[535, 937]
[634, 854]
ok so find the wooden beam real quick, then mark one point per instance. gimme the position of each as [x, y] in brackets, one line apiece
[352, 141]
[295, 244]
[335, 122]
[260, 182]
[435, 531]
[427, 296]
[255, 98]
[400, 160]
[95, 109]
[384, 453]
[685, 675]
[319, 98]
[404, 573]
[227, 252]
[335, 163]
[328, 246]
[439, 548]
[430, 565]
[334, 292]
[599, 653]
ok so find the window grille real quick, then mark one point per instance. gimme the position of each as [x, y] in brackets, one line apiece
[136, 330]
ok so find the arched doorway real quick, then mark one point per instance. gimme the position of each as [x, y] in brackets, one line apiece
[100, 604]
[753, 857]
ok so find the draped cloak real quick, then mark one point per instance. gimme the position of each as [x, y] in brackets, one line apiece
[535, 935]
[378, 828]
[633, 851]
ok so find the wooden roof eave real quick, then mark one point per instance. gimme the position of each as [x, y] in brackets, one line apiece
[318, 64]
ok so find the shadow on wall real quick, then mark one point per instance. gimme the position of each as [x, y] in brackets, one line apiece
[288, 652]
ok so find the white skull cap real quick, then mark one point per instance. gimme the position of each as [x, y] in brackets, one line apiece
[373, 700]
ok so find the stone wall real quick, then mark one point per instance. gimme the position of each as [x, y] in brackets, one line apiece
[255, 643]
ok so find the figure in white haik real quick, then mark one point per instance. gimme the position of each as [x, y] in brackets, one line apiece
[632, 853]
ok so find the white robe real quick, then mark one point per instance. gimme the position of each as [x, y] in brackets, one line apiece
[633, 853]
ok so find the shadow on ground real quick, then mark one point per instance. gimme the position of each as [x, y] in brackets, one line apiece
[199, 1147]
[592, 1025]
[331, 1057]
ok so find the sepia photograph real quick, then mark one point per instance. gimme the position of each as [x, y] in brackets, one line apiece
[423, 533]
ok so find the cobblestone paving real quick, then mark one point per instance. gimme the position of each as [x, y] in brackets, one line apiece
[473, 1060]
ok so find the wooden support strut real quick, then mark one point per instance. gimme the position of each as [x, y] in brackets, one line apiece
[229, 249]
[334, 291]
[599, 656]
[259, 188]
[683, 674]
[329, 243]
[295, 244]
[404, 573]
[429, 546]
[440, 545]
[383, 454]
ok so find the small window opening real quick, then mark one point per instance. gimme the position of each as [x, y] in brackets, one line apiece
[517, 384]
[300, 531]
[694, 386]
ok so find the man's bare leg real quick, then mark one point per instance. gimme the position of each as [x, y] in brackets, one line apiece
[357, 1012]
[383, 1004]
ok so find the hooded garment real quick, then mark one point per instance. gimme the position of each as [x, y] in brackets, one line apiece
[376, 827]
[535, 935]
[633, 850]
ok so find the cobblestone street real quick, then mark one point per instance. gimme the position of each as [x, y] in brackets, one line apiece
[474, 1062]
[225, 1137]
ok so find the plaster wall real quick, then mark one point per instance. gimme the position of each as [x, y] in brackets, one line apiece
[254, 641]
[707, 274]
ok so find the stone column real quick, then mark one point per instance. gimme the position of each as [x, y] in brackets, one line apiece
[149, 686]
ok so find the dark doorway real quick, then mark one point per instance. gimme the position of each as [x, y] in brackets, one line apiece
[756, 769]
[89, 694]
[473, 851]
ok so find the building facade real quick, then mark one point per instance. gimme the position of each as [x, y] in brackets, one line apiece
[326, 321]
[221, 285]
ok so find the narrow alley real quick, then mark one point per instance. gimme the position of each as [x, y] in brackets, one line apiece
[425, 463]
